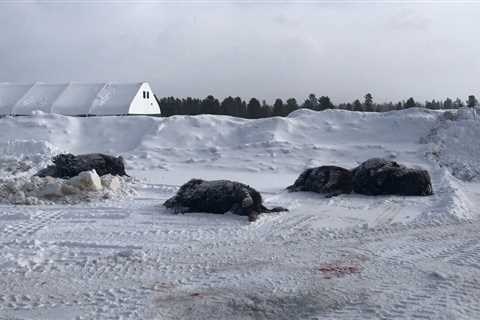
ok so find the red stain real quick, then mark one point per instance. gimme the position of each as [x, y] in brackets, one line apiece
[338, 270]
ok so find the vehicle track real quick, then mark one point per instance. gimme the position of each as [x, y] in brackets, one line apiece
[419, 281]
[207, 263]
[21, 229]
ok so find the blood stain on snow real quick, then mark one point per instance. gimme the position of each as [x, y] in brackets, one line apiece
[338, 270]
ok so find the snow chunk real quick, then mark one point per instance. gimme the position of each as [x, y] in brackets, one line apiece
[51, 189]
[111, 182]
[87, 180]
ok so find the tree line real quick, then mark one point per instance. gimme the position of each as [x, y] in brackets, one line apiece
[254, 109]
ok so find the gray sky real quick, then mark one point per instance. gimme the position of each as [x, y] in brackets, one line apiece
[268, 49]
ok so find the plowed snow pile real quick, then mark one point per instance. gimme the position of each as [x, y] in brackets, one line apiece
[71, 255]
[88, 186]
[19, 157]
[455, 144]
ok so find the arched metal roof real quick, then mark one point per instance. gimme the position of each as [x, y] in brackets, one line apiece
[67, 98]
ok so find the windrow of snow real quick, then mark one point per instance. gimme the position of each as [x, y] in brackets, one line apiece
[303, 139]
[301, 127]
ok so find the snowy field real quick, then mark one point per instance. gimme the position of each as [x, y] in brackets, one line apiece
[347, 257]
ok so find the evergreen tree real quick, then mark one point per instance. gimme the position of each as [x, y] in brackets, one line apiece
[368, 102]
[291, 105]
[240, 107]
[357, 105]
[324, 103]
[448, 104]
[428, 104]
[191, 106]
[266, 110]
[279, 108]
[410, 103]
[254, 109]
[434, 105]
[228, 106]
[472, 101]
[311, 102]
[210, 105]
[169, 106]
[458, 103]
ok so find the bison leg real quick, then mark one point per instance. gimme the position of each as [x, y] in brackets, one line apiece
[274, 209]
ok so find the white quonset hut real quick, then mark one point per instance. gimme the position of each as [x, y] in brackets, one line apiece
[78, 99]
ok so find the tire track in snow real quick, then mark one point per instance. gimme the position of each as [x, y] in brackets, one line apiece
[416, 284]
[222, 257]
[389, 213]
[24, 229]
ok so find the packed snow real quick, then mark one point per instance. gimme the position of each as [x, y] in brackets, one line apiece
[104, 248]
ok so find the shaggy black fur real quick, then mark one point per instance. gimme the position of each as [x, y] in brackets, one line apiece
[69, 165]
[330, 180]
[218, 196]
[381, 177]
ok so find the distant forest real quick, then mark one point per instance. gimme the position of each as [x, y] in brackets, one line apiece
[254, 109]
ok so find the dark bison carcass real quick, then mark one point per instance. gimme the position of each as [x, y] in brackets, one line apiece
[330, 180]
[219, 196]
[69, 165]
[383, 177]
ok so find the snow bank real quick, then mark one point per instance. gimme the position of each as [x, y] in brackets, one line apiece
[305, 138]
[20, 157]
[454, 144]
[87, 186]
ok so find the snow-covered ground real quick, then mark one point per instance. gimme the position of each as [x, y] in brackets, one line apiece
[348, 257]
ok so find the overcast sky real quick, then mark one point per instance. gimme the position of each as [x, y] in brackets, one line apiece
[268, 49]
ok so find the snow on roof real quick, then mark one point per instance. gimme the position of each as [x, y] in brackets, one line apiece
[77, 99]
[67, 98]
[39, 97]
[10, 94]
[114, 98]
